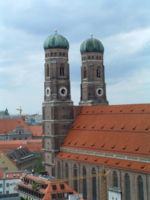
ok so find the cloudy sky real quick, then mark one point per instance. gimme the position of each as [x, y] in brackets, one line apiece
[122, 26]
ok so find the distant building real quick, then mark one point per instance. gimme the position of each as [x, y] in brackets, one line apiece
[6, 163]
[4, 114]
[23, 158]
[33, 120]
[14, 129]
[43, 188]
[8, 183]
[18, 129]
[20, 158]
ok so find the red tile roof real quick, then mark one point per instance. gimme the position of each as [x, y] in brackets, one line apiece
[48, 189]
[36, 131]
[13, 175]
[7, 125]
[1, 173]
[107, 162]
[117, 129]
[32, 145]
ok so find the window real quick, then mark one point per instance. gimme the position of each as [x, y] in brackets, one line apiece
[84, 183]
[47, 70]
[84, 73]
[140, 188]
[66, 171]
[58, 170]
[62, 186]
[62, 70]
[54, 187]
[94, 183]
[1, 185]
[7, 184]
[127, 187]
[75, 174]
[98, 73]
[115, 179]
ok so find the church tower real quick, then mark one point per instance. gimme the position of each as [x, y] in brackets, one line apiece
[57, 106]
[93, 89]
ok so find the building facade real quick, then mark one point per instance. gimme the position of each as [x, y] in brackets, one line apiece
[114, 139]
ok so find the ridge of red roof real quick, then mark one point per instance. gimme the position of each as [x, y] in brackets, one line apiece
[10, 124]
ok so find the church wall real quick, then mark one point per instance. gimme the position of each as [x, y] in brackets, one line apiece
[120, 175]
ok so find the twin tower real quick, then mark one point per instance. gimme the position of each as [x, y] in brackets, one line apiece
[57, 106]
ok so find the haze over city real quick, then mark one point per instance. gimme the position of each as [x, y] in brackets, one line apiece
[122, 26]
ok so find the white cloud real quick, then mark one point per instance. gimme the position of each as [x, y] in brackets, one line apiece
[134, 89]
[127, 43]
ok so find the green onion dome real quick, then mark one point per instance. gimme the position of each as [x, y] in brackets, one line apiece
[91, 45]
[56, 41]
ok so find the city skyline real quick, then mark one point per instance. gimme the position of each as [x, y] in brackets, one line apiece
[122, 27]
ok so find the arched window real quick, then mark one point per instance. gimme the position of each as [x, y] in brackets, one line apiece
[84, 73]
[98, 73]
[94, 184]
[62, 70]
[58, 170]
[84, 183]
[140, 188]
[66, 171]
[127, 187]
[75, 174]
[115, 179]
[47, 70]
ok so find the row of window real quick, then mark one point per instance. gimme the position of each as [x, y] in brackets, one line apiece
[84, 183]
[55, 54]
[61, 70]
[98, 73]
[127, 185]
[92, 58]
[115, 179]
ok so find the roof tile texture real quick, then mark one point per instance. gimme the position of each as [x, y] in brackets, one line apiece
[121, 129]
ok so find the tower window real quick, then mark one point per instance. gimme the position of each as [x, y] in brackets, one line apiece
[47, 70]
[98, 73]
[84, 73]
[52, 54]
[62, 70]
[60, 54]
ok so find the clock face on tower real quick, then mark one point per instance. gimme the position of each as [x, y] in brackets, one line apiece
[48, 91]
[99, 91]
[63, 91]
